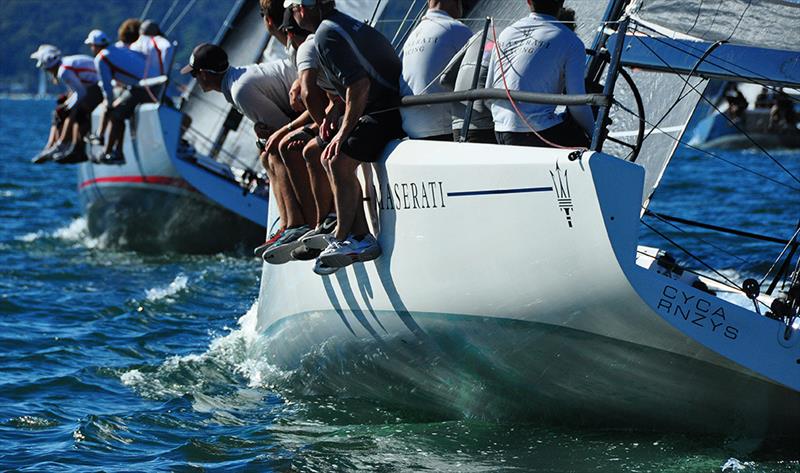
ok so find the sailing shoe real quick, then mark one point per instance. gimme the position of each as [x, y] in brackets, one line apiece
[345, 253]
[323, 269]
[281, 251]
[47, 153]
[92, 139]
[301, 253]
[74, 154]
[315, 239]
[114, 157]
[259, 250]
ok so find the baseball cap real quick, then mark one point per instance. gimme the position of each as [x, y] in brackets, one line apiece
[207, 57]
[46, 56]
[288, 22]
[97, 37]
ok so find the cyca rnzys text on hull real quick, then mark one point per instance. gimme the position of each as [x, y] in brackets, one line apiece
[509, 286]
[145, 203]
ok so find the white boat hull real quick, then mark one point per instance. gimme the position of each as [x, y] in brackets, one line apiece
[147, 205]
[511, 289]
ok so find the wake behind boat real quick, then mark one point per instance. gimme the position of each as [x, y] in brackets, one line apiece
[547, 307]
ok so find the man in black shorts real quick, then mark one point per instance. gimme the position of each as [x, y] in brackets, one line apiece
[365, 71]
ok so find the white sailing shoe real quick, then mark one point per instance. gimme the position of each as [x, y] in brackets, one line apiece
[345, 253]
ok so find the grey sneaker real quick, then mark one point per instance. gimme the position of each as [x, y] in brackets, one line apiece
[259, 250]
[315, 239]
[345, 253]
[301, 253]
[281, 251]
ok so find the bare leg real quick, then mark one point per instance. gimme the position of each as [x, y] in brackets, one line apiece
[298, 176]
[347, 196]
[53, 138]
[294, 215]
[320, 182]
[276, 192]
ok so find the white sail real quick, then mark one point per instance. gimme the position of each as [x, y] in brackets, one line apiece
[764, 23]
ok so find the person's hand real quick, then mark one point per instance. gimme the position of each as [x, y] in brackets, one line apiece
[334, 147]
[330, 125]
[274, 140]
[295, 99]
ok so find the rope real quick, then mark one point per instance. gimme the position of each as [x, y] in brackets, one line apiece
[785, 248]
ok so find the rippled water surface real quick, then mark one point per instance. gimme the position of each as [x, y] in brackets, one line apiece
[116, 361]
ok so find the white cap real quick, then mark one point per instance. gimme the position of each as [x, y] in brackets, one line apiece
[46, 56]
[97, 37]
[308, 3]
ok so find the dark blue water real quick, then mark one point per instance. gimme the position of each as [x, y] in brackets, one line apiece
[116, 361]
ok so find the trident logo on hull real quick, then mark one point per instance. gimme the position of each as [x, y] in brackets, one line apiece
[561, 187]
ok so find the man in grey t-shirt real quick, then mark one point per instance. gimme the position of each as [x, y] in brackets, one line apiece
[365, 70]
[261, 93]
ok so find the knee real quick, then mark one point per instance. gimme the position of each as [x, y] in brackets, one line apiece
[264, 159]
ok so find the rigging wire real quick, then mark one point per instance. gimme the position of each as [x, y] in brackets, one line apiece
[700, 260]
[709, 153]
[180, 16]
[714, 106]
[682, 230]
[146, 9]
[169, 11]
[232, 156]
[741, 17]
[785, 248]
[696, 17]
[717, 62]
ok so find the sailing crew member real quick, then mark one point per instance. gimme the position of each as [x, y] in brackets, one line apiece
[154, 46]
[539, 54]
[429, 48]
[128, 33]
[363, 67]
[127, 68]
[78, 74]
[290, 142]
[319, 97]
[261, 93]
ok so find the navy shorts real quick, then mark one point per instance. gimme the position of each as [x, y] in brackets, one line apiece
[371, 135]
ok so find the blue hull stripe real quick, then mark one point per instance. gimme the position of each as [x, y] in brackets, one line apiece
[500, 191]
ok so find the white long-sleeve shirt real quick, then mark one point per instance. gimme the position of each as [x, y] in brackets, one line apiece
[76, 73]
[429, 48]
[125, 66]
[538, 55]
[157, 49]
[261, 91]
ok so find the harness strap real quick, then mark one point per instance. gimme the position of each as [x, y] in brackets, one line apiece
[117, 69]
[160, 61]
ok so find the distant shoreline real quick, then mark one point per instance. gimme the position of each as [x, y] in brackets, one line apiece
[25, 96]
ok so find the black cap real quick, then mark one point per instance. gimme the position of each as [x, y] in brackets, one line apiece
[149, 28]
[288, 23]
[207, 57]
